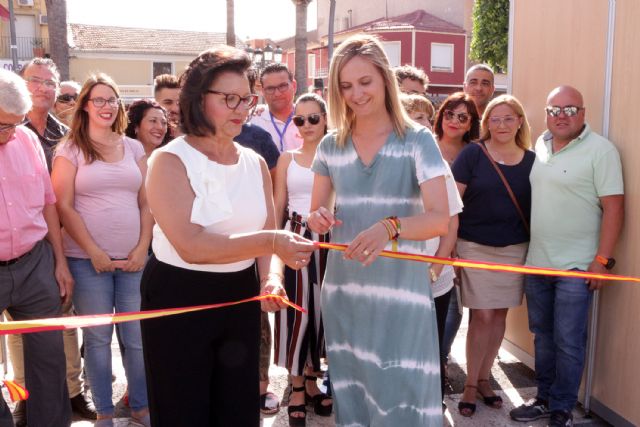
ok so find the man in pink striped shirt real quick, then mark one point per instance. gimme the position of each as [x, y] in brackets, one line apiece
[34, 276]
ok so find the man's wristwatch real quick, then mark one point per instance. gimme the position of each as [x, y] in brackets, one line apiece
[608, 263]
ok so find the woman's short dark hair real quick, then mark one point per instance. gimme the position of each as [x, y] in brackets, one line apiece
[136, 113]
[451, 103]
[197, 79]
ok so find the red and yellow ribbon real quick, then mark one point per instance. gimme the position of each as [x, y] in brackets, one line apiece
[508, 268]
[73, 322]
[16, 391]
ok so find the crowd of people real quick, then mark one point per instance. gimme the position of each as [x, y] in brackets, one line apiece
[202, 196]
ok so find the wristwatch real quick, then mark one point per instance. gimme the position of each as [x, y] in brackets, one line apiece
[608, 263]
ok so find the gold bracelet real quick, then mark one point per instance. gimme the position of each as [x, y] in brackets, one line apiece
[434, 276]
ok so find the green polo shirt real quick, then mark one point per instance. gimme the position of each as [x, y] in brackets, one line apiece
[566, 187]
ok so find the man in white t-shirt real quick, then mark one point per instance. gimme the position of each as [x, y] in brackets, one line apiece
[278, 88]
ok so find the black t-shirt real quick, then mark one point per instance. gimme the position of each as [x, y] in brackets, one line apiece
[489, 216]
[260, 141]
[54, 131]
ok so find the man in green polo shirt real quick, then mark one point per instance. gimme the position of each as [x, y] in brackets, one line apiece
[577, 210]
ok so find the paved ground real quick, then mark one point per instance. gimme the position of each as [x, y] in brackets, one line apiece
[510, 378]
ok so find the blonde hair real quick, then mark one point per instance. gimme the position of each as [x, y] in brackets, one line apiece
[341, 116]
[523, 136]
[414, 102]
[79, 132]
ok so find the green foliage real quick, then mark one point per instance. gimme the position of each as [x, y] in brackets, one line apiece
[490, 39]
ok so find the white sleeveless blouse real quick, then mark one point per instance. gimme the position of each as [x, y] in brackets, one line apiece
[299, 187]
[229, 199]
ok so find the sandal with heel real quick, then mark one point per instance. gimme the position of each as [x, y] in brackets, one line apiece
[297, 421]
[494, 402]
[467, 409]
[316, 401]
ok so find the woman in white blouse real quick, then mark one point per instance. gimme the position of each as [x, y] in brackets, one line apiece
[213, 205]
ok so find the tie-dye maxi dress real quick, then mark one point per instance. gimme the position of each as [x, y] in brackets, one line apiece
[380, 326]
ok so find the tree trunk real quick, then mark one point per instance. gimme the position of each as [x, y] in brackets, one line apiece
[231, 25]
[301, 45]
[58, 45]
[332, 18]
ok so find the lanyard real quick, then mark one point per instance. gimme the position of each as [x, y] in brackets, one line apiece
[284, 129]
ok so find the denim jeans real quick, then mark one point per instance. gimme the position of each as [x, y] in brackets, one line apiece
[452, 324]
[558, 313]
[99, 293]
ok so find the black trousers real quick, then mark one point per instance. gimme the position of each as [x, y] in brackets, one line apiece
[205, 362]
[442, 307]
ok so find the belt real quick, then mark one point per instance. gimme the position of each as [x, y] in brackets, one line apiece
[14, 260]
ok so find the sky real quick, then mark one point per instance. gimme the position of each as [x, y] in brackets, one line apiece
[274, 19]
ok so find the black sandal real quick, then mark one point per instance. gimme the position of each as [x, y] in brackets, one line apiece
[494, 402]
[316, 401]
[297, 421]
[467, 409]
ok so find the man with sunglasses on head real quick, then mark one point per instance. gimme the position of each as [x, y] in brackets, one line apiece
[42, 78]
[577, 209]
[278, 89]
[66, 100]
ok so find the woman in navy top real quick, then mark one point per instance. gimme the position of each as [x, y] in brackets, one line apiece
[491, 229]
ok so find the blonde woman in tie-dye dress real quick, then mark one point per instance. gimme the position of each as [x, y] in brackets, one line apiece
[379, 316]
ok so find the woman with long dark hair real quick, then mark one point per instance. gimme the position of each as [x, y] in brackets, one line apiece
[98, 176]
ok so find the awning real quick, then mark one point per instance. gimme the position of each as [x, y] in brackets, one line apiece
[4, 13]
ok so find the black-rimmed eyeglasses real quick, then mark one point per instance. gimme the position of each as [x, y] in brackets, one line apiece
[282, 88]
[234, 100]
[100, 102]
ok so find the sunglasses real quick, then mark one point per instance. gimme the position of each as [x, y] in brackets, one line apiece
[313, 119]
[569, 110]
[66, 98]
[462, 117]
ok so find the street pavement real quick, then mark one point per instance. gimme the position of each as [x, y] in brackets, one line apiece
[511, 379]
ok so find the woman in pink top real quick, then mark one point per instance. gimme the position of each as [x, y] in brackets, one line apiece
[98, 178]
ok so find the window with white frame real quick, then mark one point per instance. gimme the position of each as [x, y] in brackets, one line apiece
[392, 49]
[311, 65]
[442, 57]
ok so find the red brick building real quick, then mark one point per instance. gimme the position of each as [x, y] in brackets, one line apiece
[417, 38]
